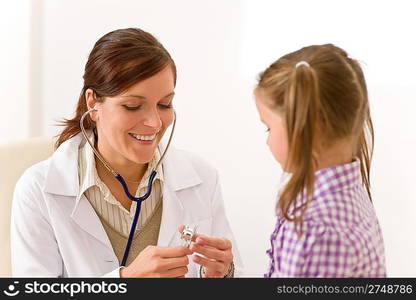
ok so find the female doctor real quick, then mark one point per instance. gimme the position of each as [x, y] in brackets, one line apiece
[71, 217]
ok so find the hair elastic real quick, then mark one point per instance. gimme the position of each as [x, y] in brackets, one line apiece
[302, 63]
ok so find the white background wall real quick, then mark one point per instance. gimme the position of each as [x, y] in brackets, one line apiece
[14, 68]
[219, 48]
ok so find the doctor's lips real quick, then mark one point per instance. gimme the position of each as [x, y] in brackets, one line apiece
[146, 139]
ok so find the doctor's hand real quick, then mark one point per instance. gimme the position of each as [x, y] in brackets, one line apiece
[156, 261]
[217, 254]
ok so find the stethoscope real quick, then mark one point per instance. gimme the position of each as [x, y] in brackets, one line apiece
[123, 183]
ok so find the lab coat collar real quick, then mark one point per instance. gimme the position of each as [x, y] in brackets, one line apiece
[181, 172]
[62, 179]
[62, 176]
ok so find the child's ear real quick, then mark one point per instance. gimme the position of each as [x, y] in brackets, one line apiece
[91, 103]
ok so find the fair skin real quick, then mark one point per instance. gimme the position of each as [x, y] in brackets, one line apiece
[329, 153]
[143, 111]
[217, 254]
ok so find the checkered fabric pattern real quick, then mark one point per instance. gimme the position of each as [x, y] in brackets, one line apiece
[341, 236]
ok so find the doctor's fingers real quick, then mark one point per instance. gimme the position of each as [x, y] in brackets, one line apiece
[222, 244]
[176, 272]
[212, 267]
[213, 253]
[182, 227]
[175, 262]
[168, 252]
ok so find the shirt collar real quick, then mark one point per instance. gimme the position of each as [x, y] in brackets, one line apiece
[327, 181]
[337, 178]
[62, 169]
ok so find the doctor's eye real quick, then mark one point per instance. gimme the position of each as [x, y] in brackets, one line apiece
[131, 107]
[165, 106]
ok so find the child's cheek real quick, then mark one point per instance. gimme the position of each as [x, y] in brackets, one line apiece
[278, 148]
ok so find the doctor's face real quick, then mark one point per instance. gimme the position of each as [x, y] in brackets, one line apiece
[131, 125]
[277, 135]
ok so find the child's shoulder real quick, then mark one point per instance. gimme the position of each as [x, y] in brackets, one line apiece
[341, 208]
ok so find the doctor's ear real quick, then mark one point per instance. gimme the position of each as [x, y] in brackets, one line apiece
[91, 101]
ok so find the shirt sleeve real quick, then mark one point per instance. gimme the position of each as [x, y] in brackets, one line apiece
[321, 251]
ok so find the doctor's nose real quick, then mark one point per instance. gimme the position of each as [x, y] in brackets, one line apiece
[153, 119]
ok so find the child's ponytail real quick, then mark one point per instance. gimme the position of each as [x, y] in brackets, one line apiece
[302, 106]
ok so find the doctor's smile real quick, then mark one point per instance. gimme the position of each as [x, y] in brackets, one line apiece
[143, 138]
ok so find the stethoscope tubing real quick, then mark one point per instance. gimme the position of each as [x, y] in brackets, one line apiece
[119, 178]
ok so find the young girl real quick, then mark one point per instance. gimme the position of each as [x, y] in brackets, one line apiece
[315, 105]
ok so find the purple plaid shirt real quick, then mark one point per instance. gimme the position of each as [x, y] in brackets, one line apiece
[341, 236]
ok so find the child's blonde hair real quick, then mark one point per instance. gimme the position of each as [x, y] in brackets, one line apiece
[326, 94]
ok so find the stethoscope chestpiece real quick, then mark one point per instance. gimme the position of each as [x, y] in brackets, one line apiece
[187, 234]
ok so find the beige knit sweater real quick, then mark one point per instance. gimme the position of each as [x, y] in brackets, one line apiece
[143, 237]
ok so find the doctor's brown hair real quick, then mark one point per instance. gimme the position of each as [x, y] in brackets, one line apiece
[118, 60]
[330, 97]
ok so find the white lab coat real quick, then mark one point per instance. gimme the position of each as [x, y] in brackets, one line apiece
[53, 237]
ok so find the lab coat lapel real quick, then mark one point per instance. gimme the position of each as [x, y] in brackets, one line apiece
[62, 180]
[179, 174]
[86, 218]
[171, 217]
